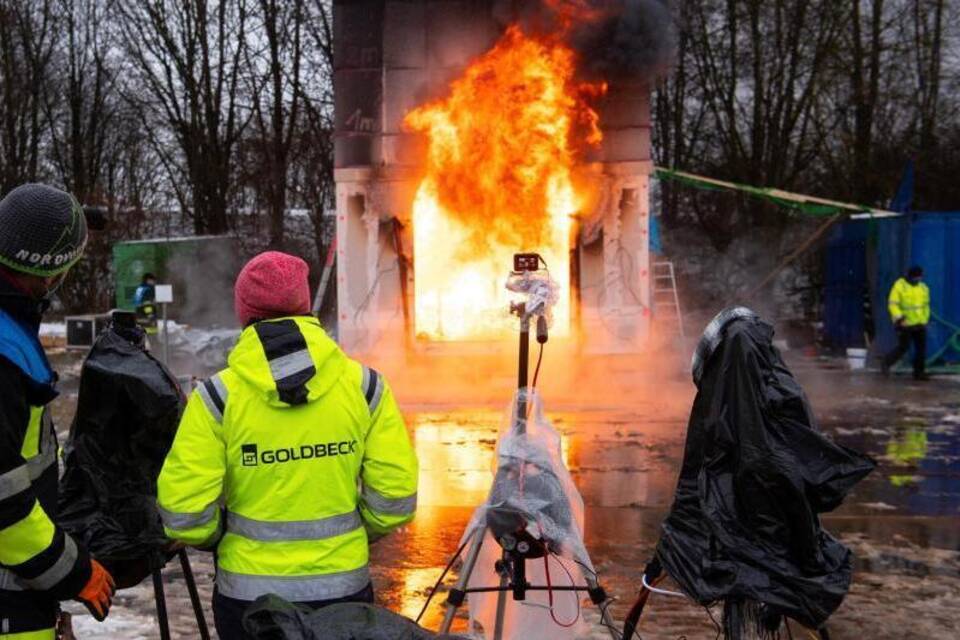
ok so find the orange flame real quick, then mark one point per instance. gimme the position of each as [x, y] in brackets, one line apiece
[501, 149]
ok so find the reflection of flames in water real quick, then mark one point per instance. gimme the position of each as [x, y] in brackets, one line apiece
[458, 458]
[499, 179]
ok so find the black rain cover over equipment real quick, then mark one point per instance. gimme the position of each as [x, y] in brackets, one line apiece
[744, 527]
[128, 410]
[273, 618]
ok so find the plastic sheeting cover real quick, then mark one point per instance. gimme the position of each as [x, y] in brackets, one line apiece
[128, 409]
[533, 490]
[273, 618]
[541, 290]
[756, 474]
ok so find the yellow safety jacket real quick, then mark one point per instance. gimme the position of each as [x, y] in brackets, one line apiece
[39, 563]
[286, 461]
[910, 302]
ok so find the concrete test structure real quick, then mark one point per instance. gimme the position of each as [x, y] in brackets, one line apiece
[391, 56]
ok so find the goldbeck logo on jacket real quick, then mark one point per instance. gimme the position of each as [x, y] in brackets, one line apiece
[251, 456]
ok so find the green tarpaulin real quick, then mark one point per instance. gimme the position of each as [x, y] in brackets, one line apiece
[798, 202]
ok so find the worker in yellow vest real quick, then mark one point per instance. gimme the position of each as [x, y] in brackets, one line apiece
[909, 305]
[288, 461]
[144, 302]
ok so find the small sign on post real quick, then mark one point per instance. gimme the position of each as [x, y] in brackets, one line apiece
[163, 295]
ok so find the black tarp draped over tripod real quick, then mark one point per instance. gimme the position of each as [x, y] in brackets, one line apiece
[757, 473]
[128, 409]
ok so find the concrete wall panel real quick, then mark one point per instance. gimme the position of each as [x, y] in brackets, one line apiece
[358, 34]
[459, 31]
[404, 90]
[405, 34]
[624, 145]
[404, 149]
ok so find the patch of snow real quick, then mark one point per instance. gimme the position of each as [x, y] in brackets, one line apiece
[53, 329]
[870, 431]
[120, 623]
[878, 506]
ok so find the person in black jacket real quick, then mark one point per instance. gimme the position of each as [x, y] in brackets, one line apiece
[42, 234]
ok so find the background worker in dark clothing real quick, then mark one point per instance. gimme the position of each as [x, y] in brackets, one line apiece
[909, 305]
[42, 234]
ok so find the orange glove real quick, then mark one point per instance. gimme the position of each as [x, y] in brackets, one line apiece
[97, 594]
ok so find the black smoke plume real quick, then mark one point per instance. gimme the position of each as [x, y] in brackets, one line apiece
[620, 39]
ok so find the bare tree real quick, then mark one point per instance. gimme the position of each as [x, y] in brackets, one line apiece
[679, 116]
[865, 86]
[276, 69]
[314, 178]
[744, 103]
[81, 101]
[928, 27]
[26, 47]
[188, 55]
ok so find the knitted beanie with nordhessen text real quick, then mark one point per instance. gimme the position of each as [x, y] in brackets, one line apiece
[42, 230]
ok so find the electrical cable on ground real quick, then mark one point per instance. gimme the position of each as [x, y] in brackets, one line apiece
[603, 615]
[663, 592]
[606, 605]
[443, 575]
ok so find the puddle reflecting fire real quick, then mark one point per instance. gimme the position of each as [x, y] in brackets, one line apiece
[625, 466]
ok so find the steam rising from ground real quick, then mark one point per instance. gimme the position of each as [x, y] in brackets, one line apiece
[485, 375]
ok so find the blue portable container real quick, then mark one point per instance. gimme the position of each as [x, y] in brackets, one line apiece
[869, 255]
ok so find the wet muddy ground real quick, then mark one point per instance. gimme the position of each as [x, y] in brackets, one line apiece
[903, 522]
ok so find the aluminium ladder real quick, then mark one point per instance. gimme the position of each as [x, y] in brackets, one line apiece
[666, 302]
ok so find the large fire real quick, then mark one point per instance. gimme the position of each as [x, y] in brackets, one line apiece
[498, 180]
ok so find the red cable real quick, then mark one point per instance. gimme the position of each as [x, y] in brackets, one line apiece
[546, 568]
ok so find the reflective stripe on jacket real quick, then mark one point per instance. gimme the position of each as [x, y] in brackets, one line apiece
[35, 554]
[286, 460]
[910, 302]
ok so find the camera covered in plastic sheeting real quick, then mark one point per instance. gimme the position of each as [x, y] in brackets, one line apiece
[541, 290]
[128, 409]
[529, 499]
[535, 507]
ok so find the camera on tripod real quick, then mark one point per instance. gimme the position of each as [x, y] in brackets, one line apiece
[542, 294]
[523, 262]
[534, 511]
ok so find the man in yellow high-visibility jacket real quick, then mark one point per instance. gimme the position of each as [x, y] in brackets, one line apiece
[288, 461]
[909, 305]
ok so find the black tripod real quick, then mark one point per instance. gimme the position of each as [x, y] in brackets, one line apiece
[161, 600]
[517, 544]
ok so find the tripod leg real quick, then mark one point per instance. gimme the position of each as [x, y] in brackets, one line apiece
[464, 578]
[194, 595]
[501, 607]
[158, 595]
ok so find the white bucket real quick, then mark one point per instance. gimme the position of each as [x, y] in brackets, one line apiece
[857, 359]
